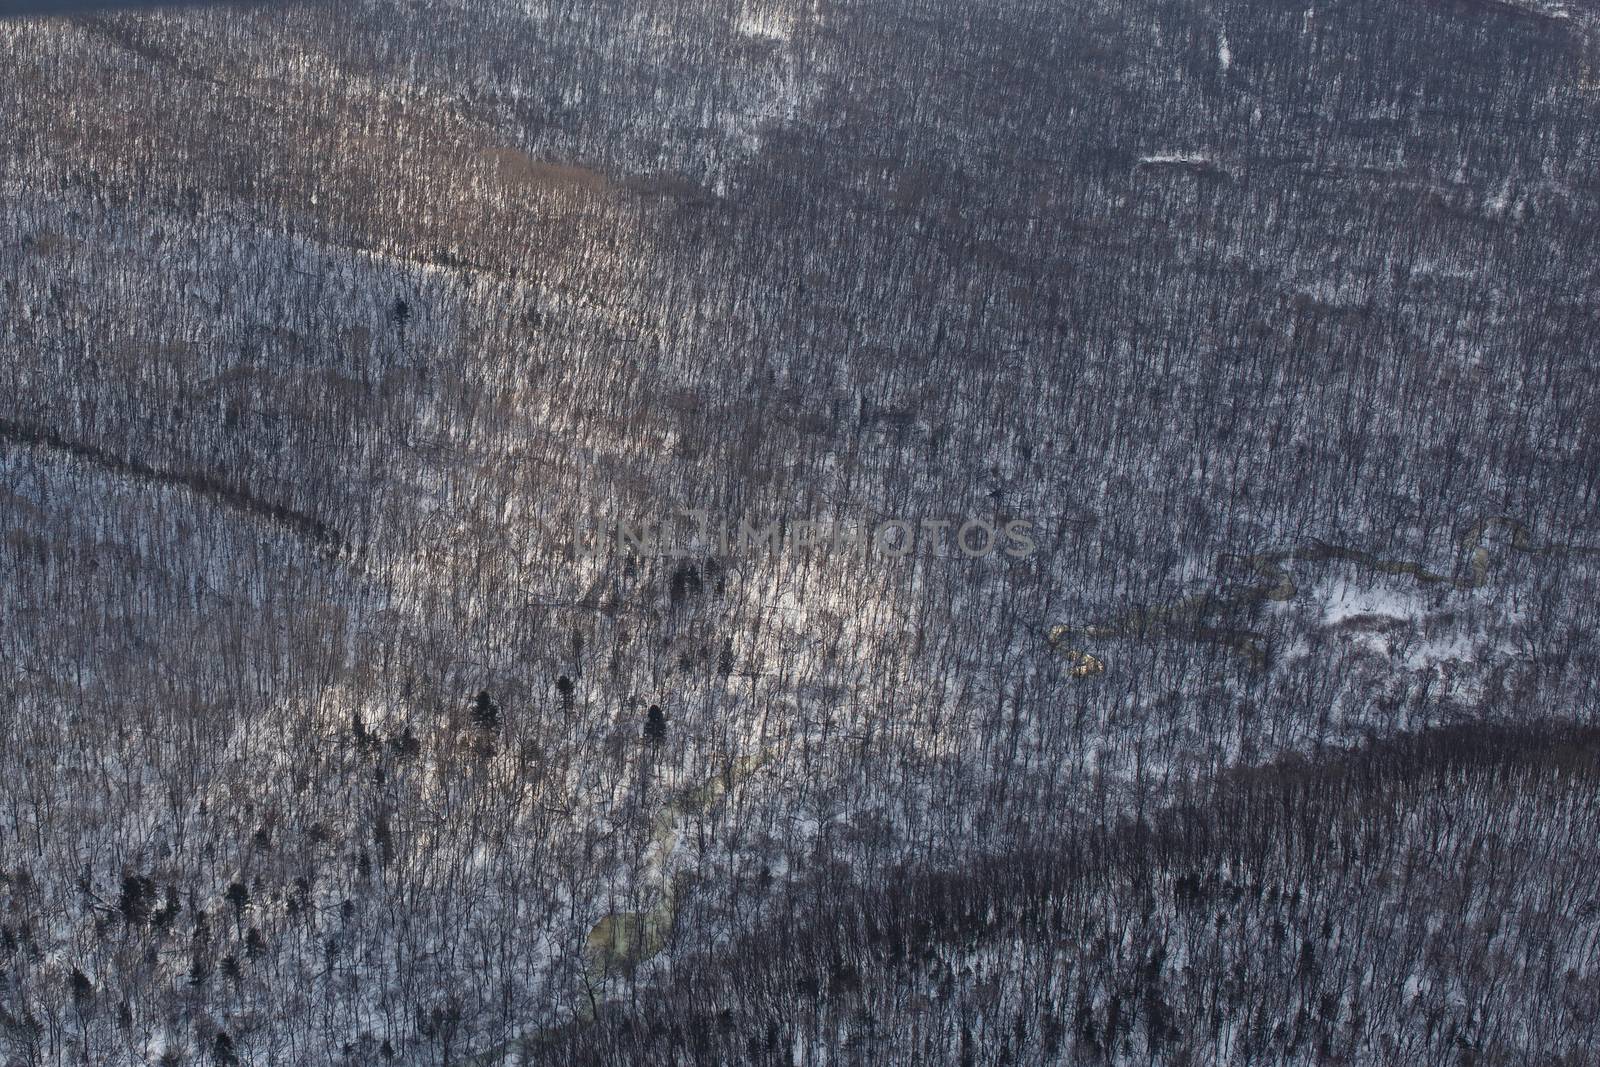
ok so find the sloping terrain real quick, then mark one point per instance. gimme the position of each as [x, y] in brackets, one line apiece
[1427, 898]
[324, 328]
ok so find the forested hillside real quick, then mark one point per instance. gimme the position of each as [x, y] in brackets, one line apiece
[325, 331]
[1427, 899]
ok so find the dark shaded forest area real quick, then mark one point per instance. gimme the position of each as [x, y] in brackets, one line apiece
[1375, 904]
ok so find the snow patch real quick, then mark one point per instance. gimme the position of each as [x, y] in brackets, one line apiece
[766, 24]
[1174, 157]
[1347, 601]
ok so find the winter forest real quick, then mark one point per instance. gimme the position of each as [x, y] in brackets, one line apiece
[333, 735]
